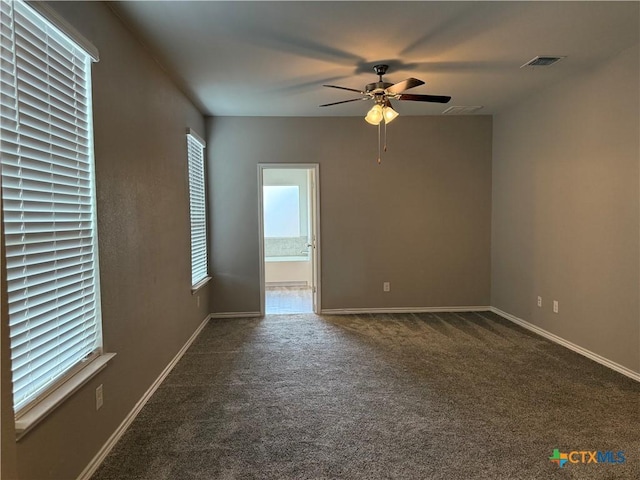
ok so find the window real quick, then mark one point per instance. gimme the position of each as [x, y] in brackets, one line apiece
[197, 210]
[281, 211]
[48, 192]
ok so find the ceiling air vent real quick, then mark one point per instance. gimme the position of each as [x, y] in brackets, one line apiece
[542, 61]
[461, 110]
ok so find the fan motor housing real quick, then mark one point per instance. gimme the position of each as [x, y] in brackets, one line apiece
[372, 87]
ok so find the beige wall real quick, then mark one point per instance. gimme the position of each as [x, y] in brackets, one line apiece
[148, 311]
[566, 210]
[420, 220]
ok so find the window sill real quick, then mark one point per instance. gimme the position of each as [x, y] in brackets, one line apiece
[199, 285]
[36, 414]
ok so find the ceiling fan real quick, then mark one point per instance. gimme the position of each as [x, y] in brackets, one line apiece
[382, 93]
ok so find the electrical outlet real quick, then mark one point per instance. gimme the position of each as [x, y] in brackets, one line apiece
[555, 306]
[539, 301]
[99, 397]
[386, 286]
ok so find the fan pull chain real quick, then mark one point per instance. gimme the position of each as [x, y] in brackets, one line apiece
[379, 161]
[385, 137]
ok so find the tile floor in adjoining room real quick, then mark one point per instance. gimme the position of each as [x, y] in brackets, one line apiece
[279, 300]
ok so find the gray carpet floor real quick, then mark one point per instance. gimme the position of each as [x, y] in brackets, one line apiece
[407, 396]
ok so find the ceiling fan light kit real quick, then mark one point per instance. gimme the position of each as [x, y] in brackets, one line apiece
[382, 93]
[389, 114]
[375, 115]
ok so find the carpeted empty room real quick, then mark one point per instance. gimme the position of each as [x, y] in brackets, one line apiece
[412, 396]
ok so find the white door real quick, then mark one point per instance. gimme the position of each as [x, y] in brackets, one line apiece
[313, 240]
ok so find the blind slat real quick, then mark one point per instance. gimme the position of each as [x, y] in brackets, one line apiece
[55, 317]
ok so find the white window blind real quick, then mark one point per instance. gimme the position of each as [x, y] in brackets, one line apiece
[197, 208]
[49, 203]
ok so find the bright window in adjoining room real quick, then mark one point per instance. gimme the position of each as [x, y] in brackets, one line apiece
[49, 204]
[197, 210]
[281, 211]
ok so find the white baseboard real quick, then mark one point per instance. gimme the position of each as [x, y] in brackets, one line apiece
[113, 439]
[354, 311]
[235, 315]
[567, 344]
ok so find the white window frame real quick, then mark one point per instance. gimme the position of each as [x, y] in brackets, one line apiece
[197, 211]
[48, 188]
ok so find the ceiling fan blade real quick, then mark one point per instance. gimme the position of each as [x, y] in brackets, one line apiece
[425, 98]
[343, 101]
[344, 88]
[404, 85]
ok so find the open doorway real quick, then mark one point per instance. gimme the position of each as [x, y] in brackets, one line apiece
[289, 238]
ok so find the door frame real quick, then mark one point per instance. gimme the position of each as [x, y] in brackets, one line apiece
[315, 251]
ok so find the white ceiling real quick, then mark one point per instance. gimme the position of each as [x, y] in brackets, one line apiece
[271, 58]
